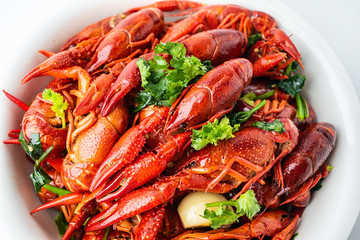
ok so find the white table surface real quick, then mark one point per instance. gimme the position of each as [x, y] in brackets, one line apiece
[338, 23]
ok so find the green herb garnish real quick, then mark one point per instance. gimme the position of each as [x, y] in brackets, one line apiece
[240, 117]
[212, 133]
[302, 107]
[106, 233]
[162, 82]
[61, 223]
[39, 177]
[246, 204]
[253, 39]
[56, 190]
[33, 148]
[291, 68]
[294, 236]
[251, 97]
[276, 126]
[292, 85]
[59, 105]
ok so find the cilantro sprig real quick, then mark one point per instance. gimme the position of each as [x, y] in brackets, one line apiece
[213, 132]
[246, 204]
[59, 105]
[163, 82]
[276, 126]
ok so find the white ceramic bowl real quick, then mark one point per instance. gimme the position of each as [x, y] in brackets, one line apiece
[47, 24]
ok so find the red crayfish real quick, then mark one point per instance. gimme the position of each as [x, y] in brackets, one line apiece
[130, 171]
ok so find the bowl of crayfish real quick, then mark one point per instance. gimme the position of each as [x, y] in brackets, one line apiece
[176, 120]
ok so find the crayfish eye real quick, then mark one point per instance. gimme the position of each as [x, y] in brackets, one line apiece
[191, 165]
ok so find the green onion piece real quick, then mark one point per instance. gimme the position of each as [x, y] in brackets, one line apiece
[300, 107]
[306, 108]
[266, 95]
[241, 117]
[294, 236]
[43, 156]
[106, 233]
[253, 39]
[56, 190]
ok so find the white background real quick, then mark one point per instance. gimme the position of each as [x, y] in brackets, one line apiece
[338, 22]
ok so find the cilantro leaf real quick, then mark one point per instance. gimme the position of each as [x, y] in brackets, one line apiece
[59, 105]
[246, 204]
[193, 67]
[144, 68]
[219, 218]
[163, 84]
[212, 133]
[175, 49]
[276, 126]
[144, 99]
